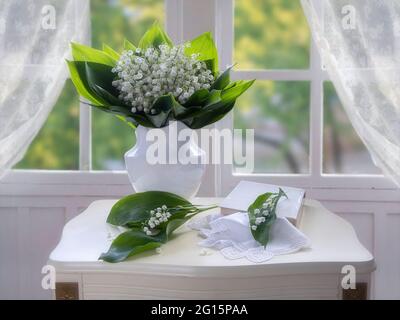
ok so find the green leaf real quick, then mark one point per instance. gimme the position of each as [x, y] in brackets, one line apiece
[155, 37]
[100, 75]
[175, 224]
[217, 105]
[84, 53]
[164, 105]
[189, 113]
[209, 116]
[233, 84]
[198, 98]
[213, 98]
[128, 45]
[141, 119]
[262, 233]
[87, 76]
[79, 80]
[134, 209]
[205, 46]
[132, 124]
[128, 116]
[179, 111]
[234, 92]
[223, 80]
[111, 52]
[99, 78]
[106, 96]
[130, 243]
[125, 115]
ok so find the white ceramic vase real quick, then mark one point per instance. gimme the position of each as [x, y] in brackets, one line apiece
[180, 177]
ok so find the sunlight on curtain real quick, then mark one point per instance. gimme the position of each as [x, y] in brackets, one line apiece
[359, 42]
[34, 42]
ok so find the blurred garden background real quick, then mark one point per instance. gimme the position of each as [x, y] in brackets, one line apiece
[269, 34]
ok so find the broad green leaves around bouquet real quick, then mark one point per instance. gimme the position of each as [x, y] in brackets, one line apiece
[128, 45]
[111, 52]
[145, 216]
[155, 37]
[84, 53]
[204, 46]
[91, 72]
[262, 215]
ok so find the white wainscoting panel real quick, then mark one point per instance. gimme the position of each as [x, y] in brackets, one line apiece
[46, 225]
[9, 284]
[393, 257]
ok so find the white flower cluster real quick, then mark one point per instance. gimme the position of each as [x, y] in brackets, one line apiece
[157, 217]
[145, 75]
[263, 213]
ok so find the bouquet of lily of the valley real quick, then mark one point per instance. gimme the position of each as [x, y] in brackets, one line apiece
[157, 81]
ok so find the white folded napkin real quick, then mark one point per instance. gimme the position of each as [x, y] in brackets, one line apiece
[232, 236]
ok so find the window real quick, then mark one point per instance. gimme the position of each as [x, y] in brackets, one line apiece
[57, 145]
[302, 134]
[279, 113]
[112, 21]
[343, 151]
[274, 35]
[270, 34]
[303, 137]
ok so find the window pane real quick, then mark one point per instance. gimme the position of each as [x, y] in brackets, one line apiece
[57, 144]
[111, 139]
[279, 114]
[271, 34]
[344, 152]
[112, 21]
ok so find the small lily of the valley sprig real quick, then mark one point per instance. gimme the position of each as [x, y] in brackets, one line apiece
[150, 218]
[262, 215]
[157, 217]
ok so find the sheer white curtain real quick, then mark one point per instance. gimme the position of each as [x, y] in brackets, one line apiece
[359, 42]
[34, 42]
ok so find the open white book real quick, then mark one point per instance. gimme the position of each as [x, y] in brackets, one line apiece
[246, 192]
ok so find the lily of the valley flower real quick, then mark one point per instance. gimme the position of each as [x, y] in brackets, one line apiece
[145, 75]
[157, 216]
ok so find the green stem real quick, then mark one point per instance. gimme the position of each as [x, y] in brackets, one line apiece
[208, 208]
[191, 215]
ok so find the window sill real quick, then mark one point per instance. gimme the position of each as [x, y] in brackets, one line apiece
[116, 183]
[66, 177]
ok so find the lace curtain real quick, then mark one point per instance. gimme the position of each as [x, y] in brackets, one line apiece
[359, 43]
[34, 42]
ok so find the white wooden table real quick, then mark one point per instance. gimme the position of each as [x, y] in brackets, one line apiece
[181, 272]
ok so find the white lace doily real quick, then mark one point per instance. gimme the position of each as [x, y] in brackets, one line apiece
[231, 235]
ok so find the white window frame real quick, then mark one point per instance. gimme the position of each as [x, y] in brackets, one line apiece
[315, 179]
[184, 20]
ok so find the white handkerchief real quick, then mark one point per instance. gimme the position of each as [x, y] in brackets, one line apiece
[232, 236]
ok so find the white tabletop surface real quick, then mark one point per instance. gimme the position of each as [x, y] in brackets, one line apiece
[334, 244]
